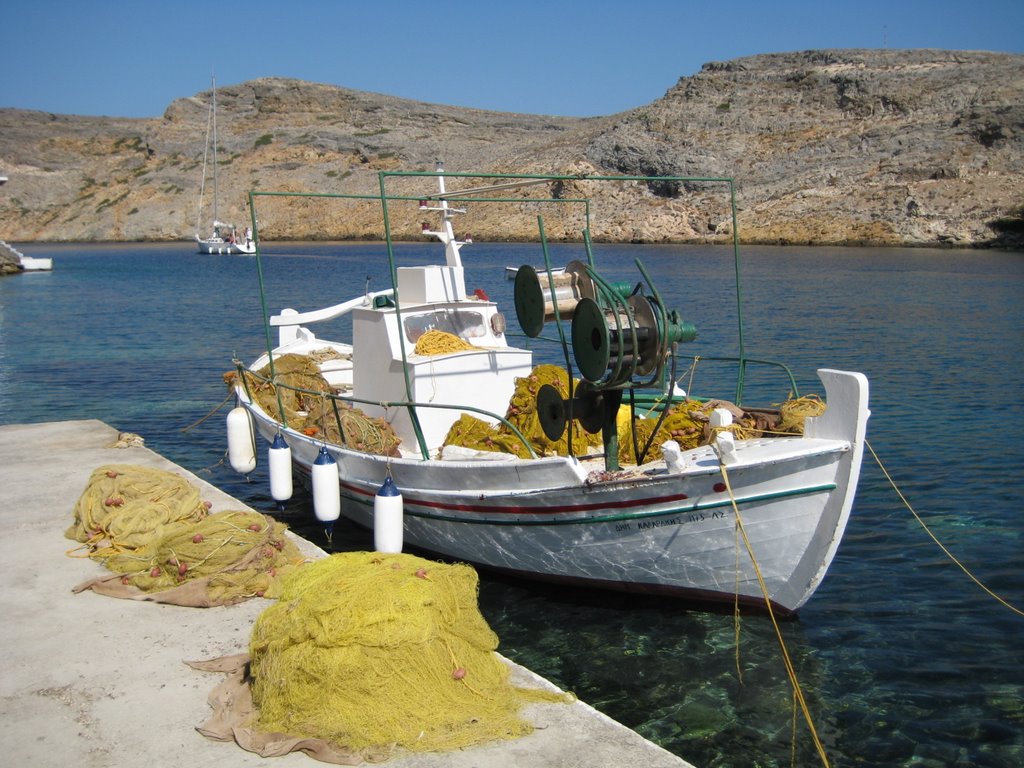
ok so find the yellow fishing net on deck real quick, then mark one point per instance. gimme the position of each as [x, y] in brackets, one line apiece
[435, 342]
[339, 423]
[686, 423]
[471, 432]
[794, 411]
[371, 651]
[295, 372]
[152, 528]
[310, 410]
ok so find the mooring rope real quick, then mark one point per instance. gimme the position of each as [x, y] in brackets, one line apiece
[934, 538]
[798, 694]
[195, 424]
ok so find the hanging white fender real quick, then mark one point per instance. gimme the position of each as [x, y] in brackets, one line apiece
[388, 518]
[241, 441]
[326, 489]
[279, 462]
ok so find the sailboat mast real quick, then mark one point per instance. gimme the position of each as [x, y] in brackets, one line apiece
[215, 217]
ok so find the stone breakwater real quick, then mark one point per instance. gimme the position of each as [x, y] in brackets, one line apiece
[876, 147]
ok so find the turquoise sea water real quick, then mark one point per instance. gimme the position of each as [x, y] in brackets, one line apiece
[903, 661]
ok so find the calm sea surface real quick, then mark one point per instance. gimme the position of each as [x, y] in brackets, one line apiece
[903, 661]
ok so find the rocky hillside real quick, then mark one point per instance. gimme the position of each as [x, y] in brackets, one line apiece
[883, 147]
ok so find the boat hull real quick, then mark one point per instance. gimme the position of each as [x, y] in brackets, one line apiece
[223, 247]
[646, 530]
[36, 264]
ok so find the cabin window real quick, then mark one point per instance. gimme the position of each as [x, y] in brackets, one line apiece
[467, 325]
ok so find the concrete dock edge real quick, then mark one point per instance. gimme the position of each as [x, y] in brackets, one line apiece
[98, 682]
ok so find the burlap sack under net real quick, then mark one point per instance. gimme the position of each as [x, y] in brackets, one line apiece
[367, 653]
[152, 529]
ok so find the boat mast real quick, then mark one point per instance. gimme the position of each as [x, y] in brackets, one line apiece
[215, 219]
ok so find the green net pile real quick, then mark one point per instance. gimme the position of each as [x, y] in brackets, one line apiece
[372, 651]
[153, 527]
[300, 375]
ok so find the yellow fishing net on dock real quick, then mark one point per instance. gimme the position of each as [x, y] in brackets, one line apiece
[372, 651]
[152, 529]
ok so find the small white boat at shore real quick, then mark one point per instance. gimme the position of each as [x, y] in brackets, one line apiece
[27, 263]
[36, 264]
[553, 505]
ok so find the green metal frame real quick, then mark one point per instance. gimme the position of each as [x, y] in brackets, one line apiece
[509, 181]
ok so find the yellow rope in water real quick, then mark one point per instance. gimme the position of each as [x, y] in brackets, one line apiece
[736, 617]
[790, 669]
[934, 538]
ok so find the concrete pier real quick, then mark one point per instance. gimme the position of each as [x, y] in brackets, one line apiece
[98, 682]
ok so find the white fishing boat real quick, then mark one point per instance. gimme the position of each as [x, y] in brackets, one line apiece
[223, 238]
[735, 515]
[511, 271]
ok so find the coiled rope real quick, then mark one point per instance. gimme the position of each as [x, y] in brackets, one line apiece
[934, 538]
[435, 342]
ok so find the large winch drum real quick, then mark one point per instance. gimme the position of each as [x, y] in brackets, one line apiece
[611, 345]
[536, 302]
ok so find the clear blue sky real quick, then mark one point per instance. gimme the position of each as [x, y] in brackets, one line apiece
[132, 58]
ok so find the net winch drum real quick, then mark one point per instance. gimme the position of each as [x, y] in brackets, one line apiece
[613, 344]
[536, 301]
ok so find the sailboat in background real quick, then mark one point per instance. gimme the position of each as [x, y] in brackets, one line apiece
[225, 238]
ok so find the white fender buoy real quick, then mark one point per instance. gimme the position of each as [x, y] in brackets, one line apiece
[387, 518]
[326, 488]
[725, 447]
[279, 464]
[673, 456]
[725, 441]
[241, 441]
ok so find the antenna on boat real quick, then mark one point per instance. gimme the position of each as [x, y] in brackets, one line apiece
[446, 234]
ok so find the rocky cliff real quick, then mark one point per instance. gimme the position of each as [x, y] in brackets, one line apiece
[884, 147]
